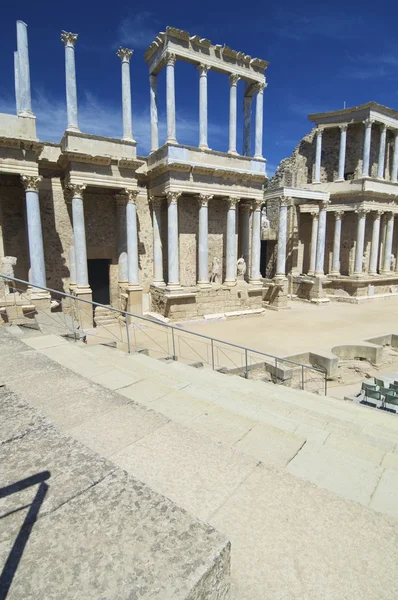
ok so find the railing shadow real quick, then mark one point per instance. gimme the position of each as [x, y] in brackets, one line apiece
[14, 557]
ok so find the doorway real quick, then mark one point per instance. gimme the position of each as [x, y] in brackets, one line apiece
[98, 278]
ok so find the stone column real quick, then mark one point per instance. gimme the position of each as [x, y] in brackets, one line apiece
[358, 264]
[388, 243]
[170, 98]
[132, 238]
[16, 82]
[247, 122]
[172, 240]
[230, 275]
[203, 244]
[374, 249]
[203, 69]
[72, 268]
[25, 100]
[35, 236]
[156, 202]
[69, 40]
[245, 234]
[342, 151]
[382, 152]
[125, 54]
[258, 148]
[282, 238]
[255, 276]
[394, 172]
[233, 82]
[314, 237]
[321, 239]
[153, 93]
[79, 235]
[338, 214]
[122, 240]
[318, 154]
[366, 147]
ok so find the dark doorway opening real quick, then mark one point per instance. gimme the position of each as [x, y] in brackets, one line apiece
[98, 278]
[263, 258]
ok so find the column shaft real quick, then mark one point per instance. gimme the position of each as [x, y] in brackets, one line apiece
[25, 100]
[394, 173]
[233, 81]
[79, 236]
[172, 239]
[320, 245]
[258, 149]
[35, 236]
[122, 239]
[366, 148]
[336, 243]
[203, 106]
[69, 40]
[374, 249]
[388, 243]
[170, 99]
[382, 152]
[157, 242]
[318, 154]
[203, 245]
[153, 93]
[72, 267]
[358, 265]
[16, 81]
[282, 239]
[245, 233]
[230, 275]
[247, 121]
[132, 238]
[342, 152]
[125, 54]
[314, 237]
[255, 276]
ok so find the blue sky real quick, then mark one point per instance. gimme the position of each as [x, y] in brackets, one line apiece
[321, 55]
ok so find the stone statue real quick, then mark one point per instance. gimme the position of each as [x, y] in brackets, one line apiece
[215, 270]
[393, 262]
[264, 219]
[8, 264]
[364, 263]
[241, 268]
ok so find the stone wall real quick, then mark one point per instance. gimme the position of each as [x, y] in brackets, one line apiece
[15, 239]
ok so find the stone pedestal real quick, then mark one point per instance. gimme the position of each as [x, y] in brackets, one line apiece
[83, 311]
[134, 302]
[278, 294]
[41, 300]
[317, 293]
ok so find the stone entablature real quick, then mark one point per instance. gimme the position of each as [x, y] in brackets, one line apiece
[357, 114]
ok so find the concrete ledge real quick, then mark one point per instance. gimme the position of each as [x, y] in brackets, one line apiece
[371, 352]
[327, 361]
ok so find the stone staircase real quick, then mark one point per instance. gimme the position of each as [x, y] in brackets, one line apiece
[293, 479]
[104, 316]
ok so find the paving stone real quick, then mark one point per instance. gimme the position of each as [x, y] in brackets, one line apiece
[385, 497]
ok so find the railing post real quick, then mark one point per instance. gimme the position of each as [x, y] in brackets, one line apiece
[302, 377]
[212, 354]
[72, 316]
[174, 344]
[246, 369]
[128, 334]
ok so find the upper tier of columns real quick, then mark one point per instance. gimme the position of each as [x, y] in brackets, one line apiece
[251, 88]
[367, 141]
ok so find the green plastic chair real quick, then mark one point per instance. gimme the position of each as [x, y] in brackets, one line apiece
[391, 399]
[394, 387]
[379, 382]
[373, 395]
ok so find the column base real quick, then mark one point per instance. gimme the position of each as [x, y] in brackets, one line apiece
[339, 180]
[84, 311]
[173, 287]
[171, 141]
[204, 284]
[233, 152]
[255, 281]
[134, 301]
[258, 156]
[73, 129]
[128, 138]
[203, 147]
[334, 274]
[158, 283]
[230, 282]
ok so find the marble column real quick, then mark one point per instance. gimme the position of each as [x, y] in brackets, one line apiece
[233, 100]
[388, 243]
[170, 98]
[314, 237]
[153, 94]
[79, 235]
[318, 154]
[374, 249]
[282, 238]
[255, 276]
[394, 172]
[35, 236]
[172, 240]
[342, 151]
[203, 69]
[382, 152]
[247, 122]
[230, 274]
[366, 147]
[72, 268]
[258, 142]
[16, 82]
[132, 238]
[203, 242]
[25, 100]
[122, 239]
[321, 239]
[360, 242]
[156, 202]
[245, 212]
[69, 40]
[338, 214]
[125, 54]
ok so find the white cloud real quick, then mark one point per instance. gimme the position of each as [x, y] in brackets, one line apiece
[138, 31]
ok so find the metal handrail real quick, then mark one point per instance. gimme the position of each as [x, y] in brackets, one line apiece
[167, 325]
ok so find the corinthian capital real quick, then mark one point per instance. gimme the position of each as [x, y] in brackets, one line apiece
[170, 58]
[172, 197]
[69, 38]
[203, 69]
[156, 202]
[232, 202]
[368, 122]
[319, 131]
[256, 204]
[233, 79]
[204, 199]
[76, 190]
[125, 54]
[343, 127]
[131, 195]
[31, 182]
[260, 87]
[362, 212]
[324, 204]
